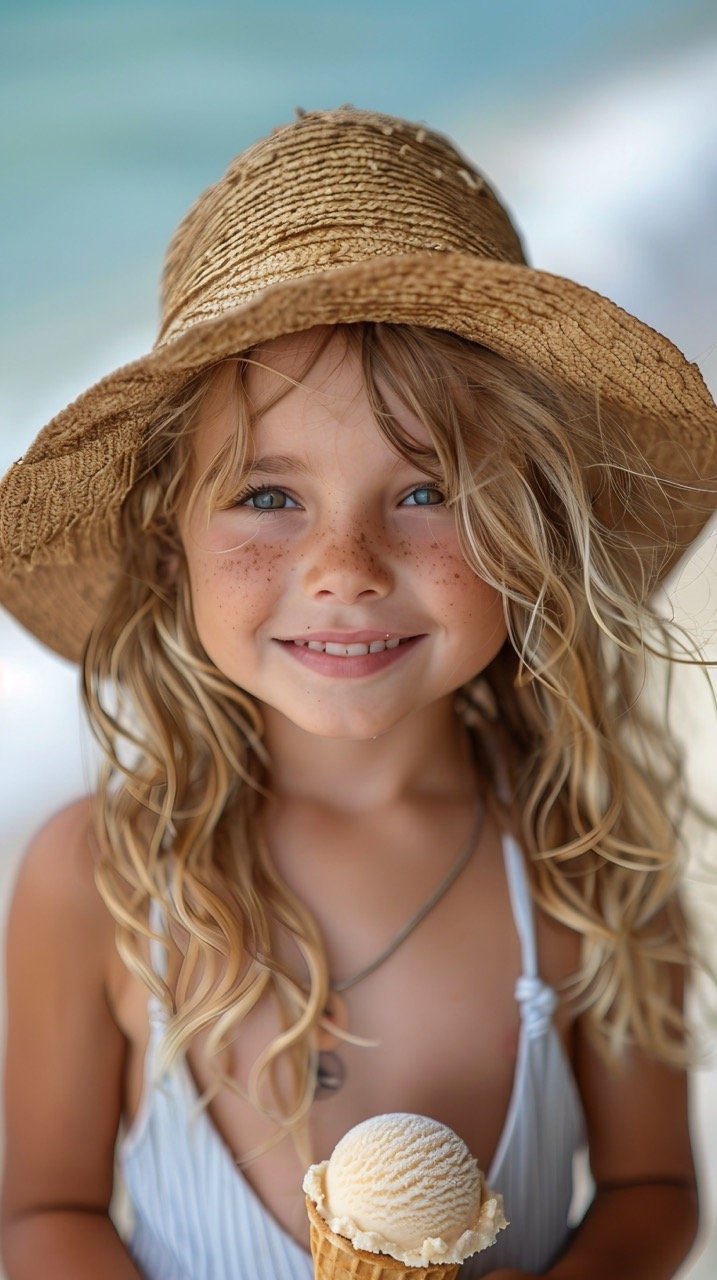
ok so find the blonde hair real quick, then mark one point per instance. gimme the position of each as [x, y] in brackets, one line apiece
[534, 472]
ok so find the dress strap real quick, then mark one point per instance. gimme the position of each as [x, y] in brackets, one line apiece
[157, 950]
[158, 961]
[536, 999]
[522, 903]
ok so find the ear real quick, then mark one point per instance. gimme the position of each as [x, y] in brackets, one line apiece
[169, 568]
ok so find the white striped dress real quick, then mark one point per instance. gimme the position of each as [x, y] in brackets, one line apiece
[197, 1218]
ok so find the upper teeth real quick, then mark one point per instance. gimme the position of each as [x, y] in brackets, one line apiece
[349, 650]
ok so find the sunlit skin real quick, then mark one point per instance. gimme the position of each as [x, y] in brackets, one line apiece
[374, 794]
[359, 540]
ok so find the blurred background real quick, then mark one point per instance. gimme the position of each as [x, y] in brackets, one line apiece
[596, 122]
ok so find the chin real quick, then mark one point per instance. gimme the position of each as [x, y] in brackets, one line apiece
[344, 728]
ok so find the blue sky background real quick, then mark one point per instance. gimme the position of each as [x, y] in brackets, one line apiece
[116, 116]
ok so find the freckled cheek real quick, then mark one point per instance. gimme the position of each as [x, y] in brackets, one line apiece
[445, 573]
[237, 587]
[469, 606]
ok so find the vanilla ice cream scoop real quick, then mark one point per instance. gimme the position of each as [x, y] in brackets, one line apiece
[407, 1186]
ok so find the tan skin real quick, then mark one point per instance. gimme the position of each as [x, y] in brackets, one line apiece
[373, 801]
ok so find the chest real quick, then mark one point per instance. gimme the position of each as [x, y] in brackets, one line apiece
[441, 1029]
[451, 1058]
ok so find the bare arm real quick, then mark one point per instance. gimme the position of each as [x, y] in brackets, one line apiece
[63, 1067]
[72, 1244]
[643, 1219]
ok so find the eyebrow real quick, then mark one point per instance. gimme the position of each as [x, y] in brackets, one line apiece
[273, 464]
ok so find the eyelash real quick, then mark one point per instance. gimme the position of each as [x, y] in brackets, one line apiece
[244, 499]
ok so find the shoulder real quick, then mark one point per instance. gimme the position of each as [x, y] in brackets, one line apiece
[64, 1051]
[55, 893]
[59, 857]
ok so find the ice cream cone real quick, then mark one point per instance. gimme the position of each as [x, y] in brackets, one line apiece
[335, 1258]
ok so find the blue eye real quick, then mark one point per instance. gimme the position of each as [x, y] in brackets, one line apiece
[428, 495]
[266, 499]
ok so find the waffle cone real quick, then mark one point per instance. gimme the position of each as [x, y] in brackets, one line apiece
[336, 1259]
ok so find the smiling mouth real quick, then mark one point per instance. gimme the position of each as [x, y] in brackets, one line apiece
[350, 660]
[348, 650]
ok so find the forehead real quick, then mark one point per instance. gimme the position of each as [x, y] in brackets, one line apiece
[303, 378]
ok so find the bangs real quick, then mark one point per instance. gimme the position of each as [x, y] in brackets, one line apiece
[226, 473]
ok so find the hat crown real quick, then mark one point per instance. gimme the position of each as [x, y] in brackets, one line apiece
[330, 189]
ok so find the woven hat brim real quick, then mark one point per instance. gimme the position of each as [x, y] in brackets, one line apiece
[59, 506]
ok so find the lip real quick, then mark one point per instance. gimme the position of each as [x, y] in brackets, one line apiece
[367, 664]
[346, 637]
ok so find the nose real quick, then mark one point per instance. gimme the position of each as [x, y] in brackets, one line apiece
[348, 563]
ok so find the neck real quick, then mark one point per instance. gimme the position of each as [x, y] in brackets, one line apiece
[425, 754]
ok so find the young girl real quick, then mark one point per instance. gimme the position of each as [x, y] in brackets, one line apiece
[357, 563]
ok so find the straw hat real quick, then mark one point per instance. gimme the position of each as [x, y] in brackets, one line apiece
[341, 216]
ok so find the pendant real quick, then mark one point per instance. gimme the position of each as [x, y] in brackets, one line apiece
[330, 1075]
[331, 1072]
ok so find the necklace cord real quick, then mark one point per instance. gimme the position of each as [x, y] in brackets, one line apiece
[439, 892]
